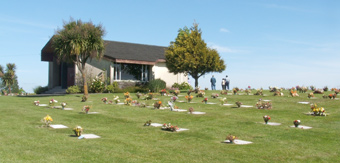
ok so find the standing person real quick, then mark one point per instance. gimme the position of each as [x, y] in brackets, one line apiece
[223, 84]
[227, 82]
[213, 82]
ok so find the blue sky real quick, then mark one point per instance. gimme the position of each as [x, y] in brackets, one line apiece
[263, 42]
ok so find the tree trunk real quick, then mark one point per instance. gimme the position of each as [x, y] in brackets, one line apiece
[86, 92]
[9, 89]
[196, 82]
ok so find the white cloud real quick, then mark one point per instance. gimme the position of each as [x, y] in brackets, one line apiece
[224, 30]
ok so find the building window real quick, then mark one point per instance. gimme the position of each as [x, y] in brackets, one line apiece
[124, 71]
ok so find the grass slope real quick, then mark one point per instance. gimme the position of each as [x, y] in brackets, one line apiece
[125, 139]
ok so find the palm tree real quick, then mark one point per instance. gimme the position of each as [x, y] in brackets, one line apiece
[8, 78]
[77, 42]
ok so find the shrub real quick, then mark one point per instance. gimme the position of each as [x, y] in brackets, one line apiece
[97, 86]
[40, 89]
[73, 89]
[182, 86]
[156, 85]
[111, 88]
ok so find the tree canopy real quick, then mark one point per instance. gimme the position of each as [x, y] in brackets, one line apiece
[77, 42]
[8, 77]
[190, 54]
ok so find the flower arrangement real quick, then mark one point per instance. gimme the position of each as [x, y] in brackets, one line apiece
[297, 123]
[263, 105]
[116, 99]
[191, 109]
[259, 92]
[52, 102]
[294, 93]
[104, 99]
[139, 95]
[238, 103]
[36, 103]
[47, 120]
[319, 111]
[231, 138]
[223, 100]
[78, 130]
[336, 91]
[248, 91]
[128, 101]
[224, 92]
[63, 104]
[325, 88]
[214, 95]
[177, 92]
[126, 94]
[205, 100]
[84, 98]
[278, 93]
[266, 118]
[157, 104]
[163, 92]
[169, 127]
[200, 94]
[143, 104]
[312, 88]
[332, 96]
[310, 95]
[173, 98]
[135, 103]
[318, 91]
[86, 108]
[235, 90]
[149, 96]
[147, 123]
[189, 98]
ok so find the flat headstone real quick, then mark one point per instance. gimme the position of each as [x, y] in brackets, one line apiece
[120, 103]
[210, 103]
[92, 112]
[239, 142]
[313, 98]
[246, 106]
[302, 102]
[181, 129]
[156, 125]
[196, 112]
[43, 105]
[179, 110]
[266, 100]
[163, 108]
[272, 124]
[58, 126]
[302, 127]
[68, 109]
[90, 136]
[180, 95]
[180, 101]
[228, 104]
[57, 107]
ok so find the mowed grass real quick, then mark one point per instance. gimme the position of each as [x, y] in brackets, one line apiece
[124, 138]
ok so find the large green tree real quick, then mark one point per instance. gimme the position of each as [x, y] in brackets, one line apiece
[77, 42]
[190, 54]
[8, 77]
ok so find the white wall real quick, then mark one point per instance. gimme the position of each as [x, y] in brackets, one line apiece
[160, 71]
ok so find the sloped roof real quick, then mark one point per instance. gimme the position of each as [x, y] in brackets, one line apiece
[121, 52]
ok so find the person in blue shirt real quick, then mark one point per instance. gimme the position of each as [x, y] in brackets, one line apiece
[213, 83]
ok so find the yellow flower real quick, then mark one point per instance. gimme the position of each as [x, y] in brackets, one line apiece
[48, 118]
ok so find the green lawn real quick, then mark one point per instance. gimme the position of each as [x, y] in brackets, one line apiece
[125, 139]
